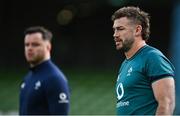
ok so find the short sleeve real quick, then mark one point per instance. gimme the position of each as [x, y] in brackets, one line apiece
[158, 66]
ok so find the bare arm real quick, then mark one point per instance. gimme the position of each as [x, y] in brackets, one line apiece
[164, 92]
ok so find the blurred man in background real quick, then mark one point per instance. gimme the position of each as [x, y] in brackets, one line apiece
[45, 88]
[145, 83]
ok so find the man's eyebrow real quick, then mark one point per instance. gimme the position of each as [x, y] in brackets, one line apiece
[117, 27]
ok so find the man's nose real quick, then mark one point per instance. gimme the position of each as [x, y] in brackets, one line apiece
[115, 35]
[29, 47]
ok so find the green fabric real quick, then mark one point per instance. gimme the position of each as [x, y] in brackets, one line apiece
[133, 87]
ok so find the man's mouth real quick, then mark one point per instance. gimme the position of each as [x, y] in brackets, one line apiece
[118, 42]
[30, 54]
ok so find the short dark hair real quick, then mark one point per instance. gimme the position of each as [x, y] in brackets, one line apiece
[46, 34]
[137, 15]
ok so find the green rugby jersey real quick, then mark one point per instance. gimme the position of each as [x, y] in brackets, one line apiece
[133, 87]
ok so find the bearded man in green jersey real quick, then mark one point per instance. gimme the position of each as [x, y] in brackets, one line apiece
[145, 83]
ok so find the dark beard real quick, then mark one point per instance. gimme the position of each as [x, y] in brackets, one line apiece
[127, 45]
[35, 62]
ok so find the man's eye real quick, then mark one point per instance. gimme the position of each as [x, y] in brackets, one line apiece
[35, 44]
[120, 29]
[26, 44]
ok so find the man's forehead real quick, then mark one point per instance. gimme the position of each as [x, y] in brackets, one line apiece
[123, 21]
[35, 36]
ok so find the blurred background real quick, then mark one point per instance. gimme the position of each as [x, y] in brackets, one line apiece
[83, 46]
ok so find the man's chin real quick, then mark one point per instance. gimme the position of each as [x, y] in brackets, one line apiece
[30, 61]
[118, 48]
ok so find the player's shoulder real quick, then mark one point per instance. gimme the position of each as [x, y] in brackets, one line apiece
[55, 80]
[152, 52]
[154, 55]
[55, 73]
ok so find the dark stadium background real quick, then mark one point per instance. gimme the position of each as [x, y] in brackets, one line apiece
[83, 46]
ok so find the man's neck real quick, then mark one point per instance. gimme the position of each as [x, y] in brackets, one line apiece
[37, 63]
[135, 47]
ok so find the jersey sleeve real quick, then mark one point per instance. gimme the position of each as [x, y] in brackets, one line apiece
[158, 66]
[57, 95]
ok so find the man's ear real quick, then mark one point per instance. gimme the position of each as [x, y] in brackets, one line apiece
[49, 46]
[138, 30]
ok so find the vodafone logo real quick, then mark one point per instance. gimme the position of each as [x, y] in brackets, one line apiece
[120, 95]
[63, 98]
